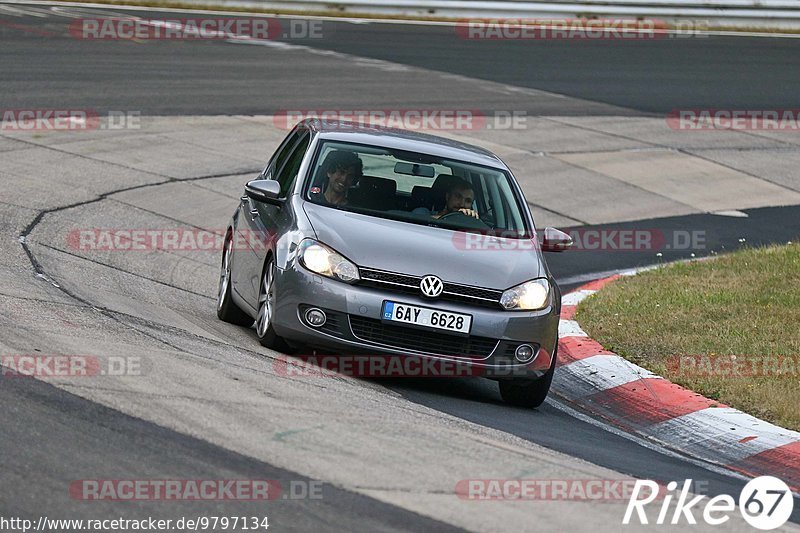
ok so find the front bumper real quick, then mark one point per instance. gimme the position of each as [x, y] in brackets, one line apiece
[353, 305]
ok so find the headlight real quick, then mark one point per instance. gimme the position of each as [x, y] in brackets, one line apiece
[318, 258]
[529, 296]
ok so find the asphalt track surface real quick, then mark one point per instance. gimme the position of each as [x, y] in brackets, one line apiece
[115, 445]
[59, 435]
[631, 76]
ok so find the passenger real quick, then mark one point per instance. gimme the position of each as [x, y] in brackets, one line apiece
[459, 198]
[342, 170]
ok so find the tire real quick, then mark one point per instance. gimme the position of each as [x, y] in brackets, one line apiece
[527, 393]
[266, 307]
[227, 310]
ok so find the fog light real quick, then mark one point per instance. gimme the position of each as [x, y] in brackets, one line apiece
[315, 317]
[524, 353]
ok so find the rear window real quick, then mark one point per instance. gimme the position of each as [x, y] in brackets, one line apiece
[415, 188]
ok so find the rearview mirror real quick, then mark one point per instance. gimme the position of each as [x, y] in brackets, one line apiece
[555, 240]
[414, 169]
[263, 190]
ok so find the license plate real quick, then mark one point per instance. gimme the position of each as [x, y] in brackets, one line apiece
[426, 317]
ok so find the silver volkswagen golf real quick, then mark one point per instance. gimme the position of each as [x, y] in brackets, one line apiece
[367, 240]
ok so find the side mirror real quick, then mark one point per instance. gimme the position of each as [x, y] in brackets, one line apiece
[555, 240]
[263, 191]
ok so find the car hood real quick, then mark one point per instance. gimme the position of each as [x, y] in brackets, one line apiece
[418, 250]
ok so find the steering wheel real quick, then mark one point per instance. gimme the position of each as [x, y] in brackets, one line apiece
[451, 214]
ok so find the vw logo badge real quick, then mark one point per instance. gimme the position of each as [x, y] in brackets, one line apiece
[431, 286]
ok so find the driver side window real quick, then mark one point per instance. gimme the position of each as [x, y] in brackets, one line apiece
[281, 154]
[287, 173]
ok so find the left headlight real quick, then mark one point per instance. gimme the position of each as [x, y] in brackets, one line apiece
[529, 296]
[325, 261]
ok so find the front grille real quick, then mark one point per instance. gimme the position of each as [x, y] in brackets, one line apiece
[473, 292]
[406, 284]
[390, 277]
[333, 325]
[372, 330]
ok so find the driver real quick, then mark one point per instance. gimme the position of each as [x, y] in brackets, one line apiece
[459, 199]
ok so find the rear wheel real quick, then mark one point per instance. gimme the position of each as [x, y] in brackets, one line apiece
[527, 393]
[227, 310]
[266, 309]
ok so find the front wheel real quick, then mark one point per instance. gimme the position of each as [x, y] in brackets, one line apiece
[266, 311]
[527, 393]
[227, 309]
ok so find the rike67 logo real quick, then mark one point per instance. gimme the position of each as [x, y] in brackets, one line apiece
[765, 503]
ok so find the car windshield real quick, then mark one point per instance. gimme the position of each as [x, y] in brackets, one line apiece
[415, 188]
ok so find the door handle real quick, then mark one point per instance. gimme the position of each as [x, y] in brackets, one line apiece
[249, 201]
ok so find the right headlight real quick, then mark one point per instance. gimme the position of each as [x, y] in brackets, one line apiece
[325, 261]
[529, 296]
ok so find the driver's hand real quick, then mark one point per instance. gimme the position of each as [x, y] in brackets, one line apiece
[470, 212]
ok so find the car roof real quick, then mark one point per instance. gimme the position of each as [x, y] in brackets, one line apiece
[398, 139]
